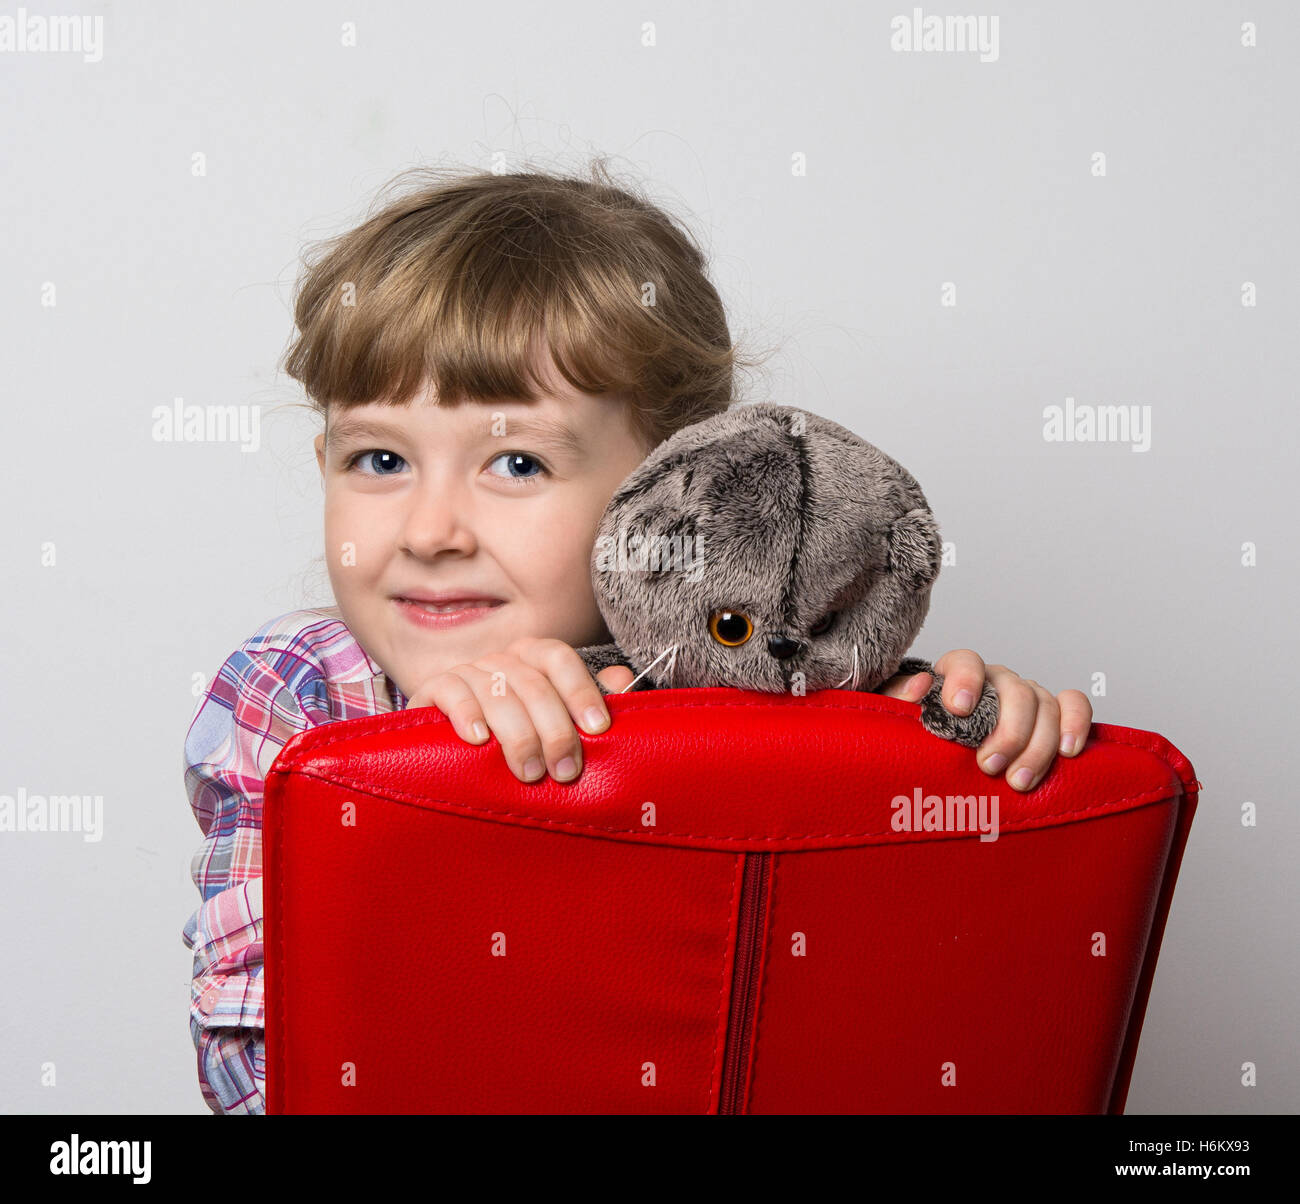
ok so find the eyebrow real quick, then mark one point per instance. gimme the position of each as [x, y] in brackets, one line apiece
[540, 430]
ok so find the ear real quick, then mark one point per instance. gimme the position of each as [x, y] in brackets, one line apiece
[320, 453]
[915, 549]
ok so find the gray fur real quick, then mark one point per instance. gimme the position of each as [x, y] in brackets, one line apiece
[782, 515]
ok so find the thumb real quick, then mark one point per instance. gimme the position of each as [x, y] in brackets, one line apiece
[910, 687]
[615, 677]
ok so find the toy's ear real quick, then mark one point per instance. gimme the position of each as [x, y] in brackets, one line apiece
[657, 541]
[915, 549]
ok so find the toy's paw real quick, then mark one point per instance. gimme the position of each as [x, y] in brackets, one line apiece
[971, 730]
[601, 656]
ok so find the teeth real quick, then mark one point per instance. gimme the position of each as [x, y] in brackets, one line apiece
[449, 607]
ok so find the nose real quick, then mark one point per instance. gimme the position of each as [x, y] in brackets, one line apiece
[436, 518]
[781, 647]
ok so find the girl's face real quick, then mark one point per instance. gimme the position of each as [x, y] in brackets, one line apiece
[496, 501]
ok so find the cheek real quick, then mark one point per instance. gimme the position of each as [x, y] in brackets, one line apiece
[549, 574]
[355, 519]
[555, 544]
[355, 550]
[550, 563]
[336, 512]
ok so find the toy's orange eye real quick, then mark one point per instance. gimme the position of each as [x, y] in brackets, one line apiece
[823, 625]
[730, 627]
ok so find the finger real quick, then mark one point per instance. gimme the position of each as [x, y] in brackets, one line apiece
[616, 678]
[452, 695]
[547, 728]
[570, 679]
[1076, 719]
[1027, 770]
[910, 687]
[963, 672]
[1017, 711]
[508, 719]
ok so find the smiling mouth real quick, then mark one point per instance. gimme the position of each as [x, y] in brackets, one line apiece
[447, 608]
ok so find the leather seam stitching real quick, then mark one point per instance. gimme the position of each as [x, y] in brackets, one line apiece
[733, 929]
[404, 798]
[768, 954]
[321, 737]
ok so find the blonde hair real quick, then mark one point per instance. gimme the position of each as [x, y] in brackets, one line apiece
[458, 282]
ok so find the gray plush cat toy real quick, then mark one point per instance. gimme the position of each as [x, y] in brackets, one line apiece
[768, 548]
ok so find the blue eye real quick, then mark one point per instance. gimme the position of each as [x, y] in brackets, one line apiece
[520, 459]
[372, 458]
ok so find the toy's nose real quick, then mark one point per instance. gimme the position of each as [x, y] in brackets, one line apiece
[782, 648]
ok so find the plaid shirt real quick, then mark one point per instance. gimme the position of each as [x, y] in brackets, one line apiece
[299, 670]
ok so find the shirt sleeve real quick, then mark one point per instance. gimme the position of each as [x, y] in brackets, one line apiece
[245, 717]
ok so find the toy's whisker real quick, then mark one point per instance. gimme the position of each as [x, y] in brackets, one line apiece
[854, 674]
[672, 664]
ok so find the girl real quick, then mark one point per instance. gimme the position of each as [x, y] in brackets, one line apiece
[492, 355]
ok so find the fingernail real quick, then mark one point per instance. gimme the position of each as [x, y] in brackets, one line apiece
[566, 769]
[964, 700]
[1068, 742]
[534, 768]
[594, 719]
[995, 764]
[480, 731]
[1021, 778]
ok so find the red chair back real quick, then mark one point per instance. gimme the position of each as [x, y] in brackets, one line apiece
[745, 903]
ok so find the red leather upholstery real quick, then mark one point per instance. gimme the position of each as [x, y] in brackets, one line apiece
[661, 968]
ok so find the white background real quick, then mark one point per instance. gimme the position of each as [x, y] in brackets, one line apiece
[1073, 559]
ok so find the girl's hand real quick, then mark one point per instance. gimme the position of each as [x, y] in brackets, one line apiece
[531, 695]
[1032, 722]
